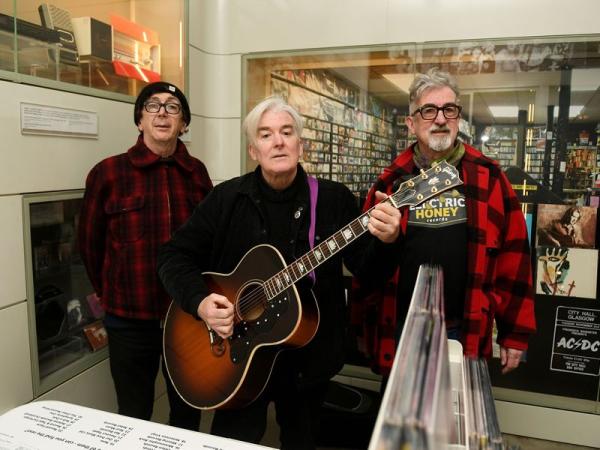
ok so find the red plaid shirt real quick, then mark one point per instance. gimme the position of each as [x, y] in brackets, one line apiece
[133, 203]
[499, 279]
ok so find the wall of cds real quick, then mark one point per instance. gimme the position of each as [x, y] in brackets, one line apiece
[348, 135]
[563, 358]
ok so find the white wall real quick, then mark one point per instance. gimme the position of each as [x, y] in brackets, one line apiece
[42, 163]
[16, 387]
[221, 31]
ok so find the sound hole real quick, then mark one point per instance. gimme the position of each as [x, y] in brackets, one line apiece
[252, 302]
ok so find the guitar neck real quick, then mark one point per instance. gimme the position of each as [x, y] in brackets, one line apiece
[317, 256]
[326, 249]
[428, 184]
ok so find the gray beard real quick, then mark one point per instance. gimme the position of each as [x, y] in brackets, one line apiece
[440, 144]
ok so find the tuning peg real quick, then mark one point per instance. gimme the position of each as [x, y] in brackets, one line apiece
[423, 174]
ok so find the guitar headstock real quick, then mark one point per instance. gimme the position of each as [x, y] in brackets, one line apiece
[428, 184]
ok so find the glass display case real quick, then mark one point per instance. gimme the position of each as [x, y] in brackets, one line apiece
[515, 106]
[530, 104]
[66, 331]
[113, 46]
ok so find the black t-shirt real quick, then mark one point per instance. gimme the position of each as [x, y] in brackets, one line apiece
[436, 234]
[278, 207]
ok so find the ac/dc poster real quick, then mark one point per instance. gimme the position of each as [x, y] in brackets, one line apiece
[563, 358]
[576, 346]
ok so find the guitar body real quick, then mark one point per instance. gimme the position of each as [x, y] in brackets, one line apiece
[209, 372]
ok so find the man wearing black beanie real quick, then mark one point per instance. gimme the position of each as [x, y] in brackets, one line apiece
[133, 202]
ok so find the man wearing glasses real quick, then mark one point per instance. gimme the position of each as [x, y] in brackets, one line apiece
[475, 232]
[133, 203]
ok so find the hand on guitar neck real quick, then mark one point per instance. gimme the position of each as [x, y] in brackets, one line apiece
[217, 312]
[385, 220]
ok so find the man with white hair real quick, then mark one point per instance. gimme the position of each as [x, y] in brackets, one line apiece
[280, 205]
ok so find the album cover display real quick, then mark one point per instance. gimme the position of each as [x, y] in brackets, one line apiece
[96, 335]
[566, 226]
[94, 305]
[567, 272]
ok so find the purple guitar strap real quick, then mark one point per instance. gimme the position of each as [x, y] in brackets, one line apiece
[313, 186]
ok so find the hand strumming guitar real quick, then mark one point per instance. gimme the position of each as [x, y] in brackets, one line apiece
[217, 312]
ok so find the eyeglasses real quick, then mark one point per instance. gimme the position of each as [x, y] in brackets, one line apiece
[170, 108]
[430, 112]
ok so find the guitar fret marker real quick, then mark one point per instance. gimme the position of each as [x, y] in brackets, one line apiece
[365, 221]
[331, 243]
[301, 267]
[319, 255]
[348, 234]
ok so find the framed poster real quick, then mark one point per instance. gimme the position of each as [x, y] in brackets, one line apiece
[567, 272]
[566, 226]
[576, 343]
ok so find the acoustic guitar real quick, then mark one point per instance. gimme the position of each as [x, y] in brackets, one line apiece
[210, 372]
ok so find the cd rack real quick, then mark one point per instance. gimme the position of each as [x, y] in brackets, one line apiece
[435, 397]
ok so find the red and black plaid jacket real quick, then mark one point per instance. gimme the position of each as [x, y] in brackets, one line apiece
[133, 203]
[499, 279]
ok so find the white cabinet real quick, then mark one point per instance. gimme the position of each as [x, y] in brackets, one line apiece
[16, 387]
[12, 262]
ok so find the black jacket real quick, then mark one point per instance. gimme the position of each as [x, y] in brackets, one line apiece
[231, 220]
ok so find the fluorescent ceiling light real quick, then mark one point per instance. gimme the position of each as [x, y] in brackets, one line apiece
[504, 111]
[574, 110]
[585, 79]
[401, 80]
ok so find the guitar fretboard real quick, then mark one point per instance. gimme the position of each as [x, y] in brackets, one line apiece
[414, 191]
[317, 256]
[326, 249]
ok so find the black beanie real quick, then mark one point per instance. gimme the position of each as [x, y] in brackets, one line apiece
[155, 88]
